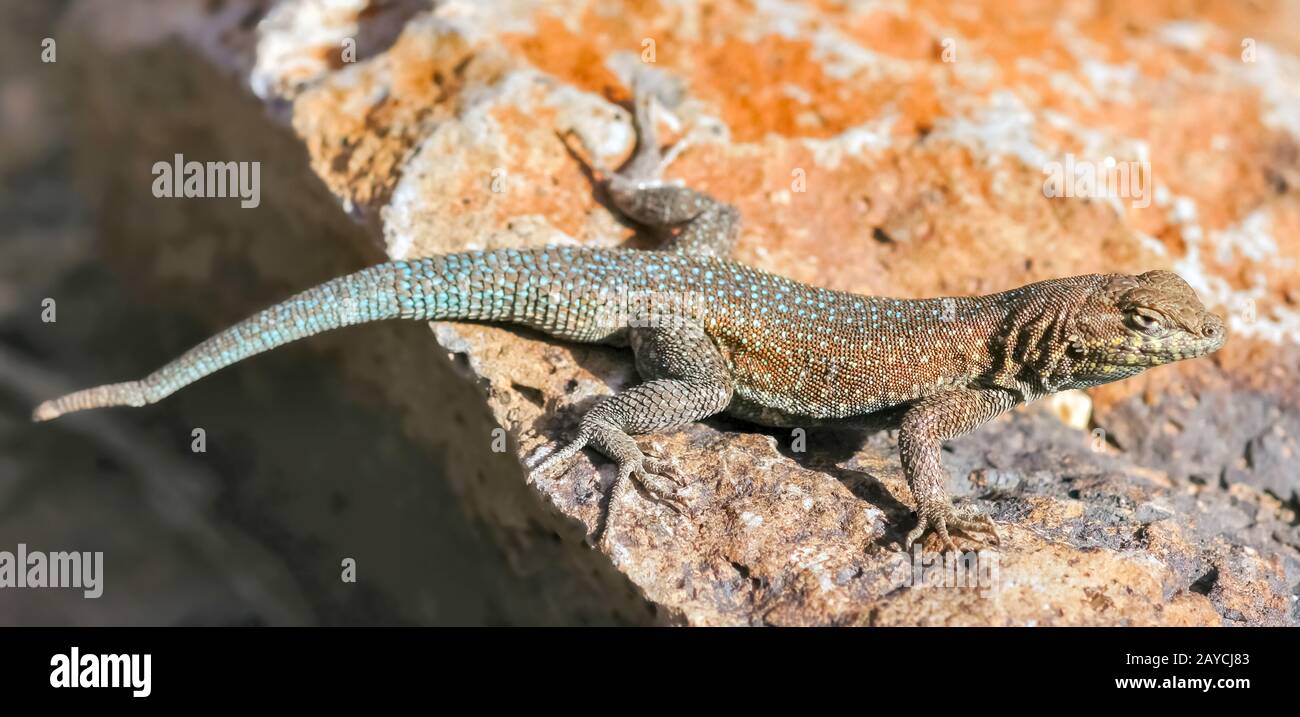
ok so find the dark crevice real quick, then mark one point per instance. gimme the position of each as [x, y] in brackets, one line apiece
[1204, 584]
[533, 395]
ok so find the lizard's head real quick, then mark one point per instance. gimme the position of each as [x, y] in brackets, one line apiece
[1130, 323]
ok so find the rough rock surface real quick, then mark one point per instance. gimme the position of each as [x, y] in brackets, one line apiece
[892, 148]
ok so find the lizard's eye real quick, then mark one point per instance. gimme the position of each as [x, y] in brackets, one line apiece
[1145, 321]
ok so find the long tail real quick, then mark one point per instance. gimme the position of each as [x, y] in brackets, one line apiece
[356, 298]
[473, 285]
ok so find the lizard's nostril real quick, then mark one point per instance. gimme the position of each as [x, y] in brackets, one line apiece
[1212, 331]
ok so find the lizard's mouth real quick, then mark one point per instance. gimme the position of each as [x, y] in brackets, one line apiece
[1145, 350]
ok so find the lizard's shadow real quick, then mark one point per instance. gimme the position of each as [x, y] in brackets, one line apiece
[826, 448]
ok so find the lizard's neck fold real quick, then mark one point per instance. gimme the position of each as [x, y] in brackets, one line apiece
[1029, 351]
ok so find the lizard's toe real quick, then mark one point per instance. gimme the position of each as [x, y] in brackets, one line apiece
[967, 521]
[554, 462]
[939, 525]
[648, 474]
[654, 463]
[991, 528]
[914, 535]
[978, 526]
[662, 490]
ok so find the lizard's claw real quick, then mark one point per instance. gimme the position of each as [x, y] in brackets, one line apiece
[658, 486]
[654, 462]
[967, 520]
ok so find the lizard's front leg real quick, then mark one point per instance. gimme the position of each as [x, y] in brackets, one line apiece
[925, 426]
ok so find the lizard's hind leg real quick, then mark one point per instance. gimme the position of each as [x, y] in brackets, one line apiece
[694, 222]
[688, 381]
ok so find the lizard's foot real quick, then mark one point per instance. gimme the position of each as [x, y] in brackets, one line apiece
[655, 462]
[689, 221]
[967, 520]
[658, 478]
[643, 471]
[644, 170]
[648, 161]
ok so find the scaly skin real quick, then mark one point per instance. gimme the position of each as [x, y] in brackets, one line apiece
[710, 335]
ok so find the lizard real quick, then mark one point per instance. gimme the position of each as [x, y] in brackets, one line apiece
[710, 335]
